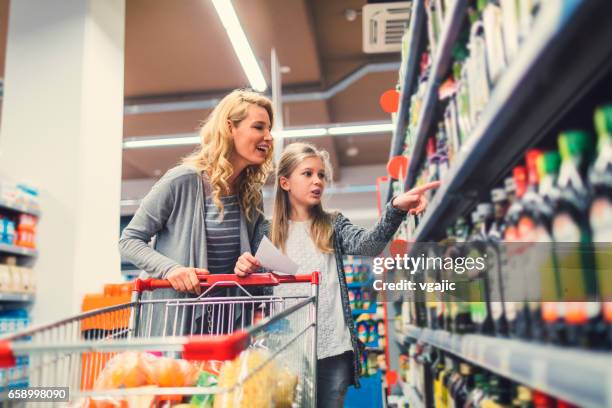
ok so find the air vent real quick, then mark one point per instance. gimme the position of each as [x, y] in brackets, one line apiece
[384, 25]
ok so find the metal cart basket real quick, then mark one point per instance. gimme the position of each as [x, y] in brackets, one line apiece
[74, 352]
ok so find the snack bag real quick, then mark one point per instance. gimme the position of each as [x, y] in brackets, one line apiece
[209, 377]
[254, 392]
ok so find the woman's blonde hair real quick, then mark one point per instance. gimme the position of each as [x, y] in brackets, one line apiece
[321, 226]
[216, 147]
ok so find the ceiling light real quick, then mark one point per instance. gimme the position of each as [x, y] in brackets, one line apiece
[243, 50]
[140, 142]
[311, 132]
[352, 151]
[356, 129]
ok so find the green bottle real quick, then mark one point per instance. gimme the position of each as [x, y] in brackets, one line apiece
[480, 311]
[551, 309]
[573, 248]
[600, 213]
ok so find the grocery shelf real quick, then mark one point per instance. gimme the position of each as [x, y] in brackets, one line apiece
[581, 377]
[17, 250]
[18, 208]
[512, 122]
[439, 68]
[359, 285]
[370, 310]
[416, 29]
[16, 297]
[414, 400]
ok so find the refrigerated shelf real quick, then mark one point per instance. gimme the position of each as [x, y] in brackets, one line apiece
[581, 377]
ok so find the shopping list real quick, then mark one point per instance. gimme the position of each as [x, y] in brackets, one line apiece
[273, 259]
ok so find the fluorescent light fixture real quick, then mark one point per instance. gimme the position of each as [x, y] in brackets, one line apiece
[304, 132]
[184, 139]
[141, 142]
[353, 130]
[243, 50]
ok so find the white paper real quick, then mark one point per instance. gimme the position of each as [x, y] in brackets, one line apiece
[273, 259]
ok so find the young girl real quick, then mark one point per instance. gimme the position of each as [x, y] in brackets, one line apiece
[317, 240]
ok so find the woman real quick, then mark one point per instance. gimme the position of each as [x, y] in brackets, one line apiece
[205, 212]
[317, 240]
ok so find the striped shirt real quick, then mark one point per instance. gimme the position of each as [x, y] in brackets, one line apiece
[222, 236]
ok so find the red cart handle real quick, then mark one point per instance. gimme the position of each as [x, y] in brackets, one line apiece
[230, 280]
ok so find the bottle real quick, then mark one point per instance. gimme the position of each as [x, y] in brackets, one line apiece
[438, 386]
[480, 311]
[499, 394]
[477, 393]
[514, 282]
[494, 261]
[552, 306]
[464, 385]
[600, 212]
[461, 317]
[529, 324]
[541, 400]
[447, 375]
[523, 398]
[572, 234]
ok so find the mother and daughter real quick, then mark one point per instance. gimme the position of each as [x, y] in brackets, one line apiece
[206, 217]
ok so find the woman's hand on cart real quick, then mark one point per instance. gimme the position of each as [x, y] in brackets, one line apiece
[185, 279]
[246, 265]
[414, 200]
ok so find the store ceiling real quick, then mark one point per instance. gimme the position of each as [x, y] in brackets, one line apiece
[178, 50]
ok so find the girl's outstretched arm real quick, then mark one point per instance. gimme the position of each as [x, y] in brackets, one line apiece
[355, 240]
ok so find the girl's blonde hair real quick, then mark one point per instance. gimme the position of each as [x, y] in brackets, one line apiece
[216, 148]
[321, 226]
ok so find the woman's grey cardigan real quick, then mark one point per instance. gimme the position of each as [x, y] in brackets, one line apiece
[174, 213]
[350, 239]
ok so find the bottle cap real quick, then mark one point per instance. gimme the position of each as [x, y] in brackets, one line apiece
[531, 159]
[465, 369]
[485, 209]
[548, 163]
[519, 173]
[476, 217]
[573, 143]
[603, 121]
[498, 195]
[509, 185]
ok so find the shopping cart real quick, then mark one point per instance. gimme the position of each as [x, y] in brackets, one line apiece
[74, 352]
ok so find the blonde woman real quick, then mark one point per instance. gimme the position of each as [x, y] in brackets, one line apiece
[205, 212]
[317, 240]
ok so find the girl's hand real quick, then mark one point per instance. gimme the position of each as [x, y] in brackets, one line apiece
[186, 279]
[246, 265]
[414, 200]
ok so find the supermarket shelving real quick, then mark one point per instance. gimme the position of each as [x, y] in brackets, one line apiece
[414, 400]
[16, 297]
[4, 204]
[511, 123]
[18, 250]
[359, 285]
[440, 65]
[416, 29]
[580, 377]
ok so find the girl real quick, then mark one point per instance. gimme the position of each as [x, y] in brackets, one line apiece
[317, 240]
[205, 212]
